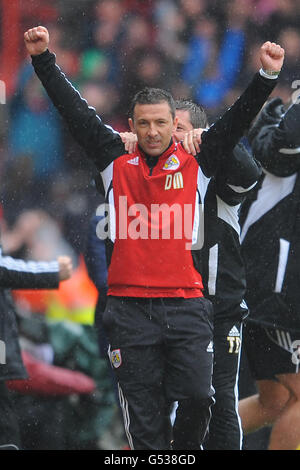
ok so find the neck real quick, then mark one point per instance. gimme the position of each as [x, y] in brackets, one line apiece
[152, 160]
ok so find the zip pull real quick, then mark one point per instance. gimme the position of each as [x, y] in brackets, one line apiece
[151, 162]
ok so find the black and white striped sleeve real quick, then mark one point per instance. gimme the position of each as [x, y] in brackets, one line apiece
[20, 274]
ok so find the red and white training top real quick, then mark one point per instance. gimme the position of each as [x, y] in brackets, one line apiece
[155, 217]
[146, 261]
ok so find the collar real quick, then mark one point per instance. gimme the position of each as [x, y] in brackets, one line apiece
[171, 148]
[152, 161]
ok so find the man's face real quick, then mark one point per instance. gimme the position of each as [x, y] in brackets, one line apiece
[154, 126]
[184, 124]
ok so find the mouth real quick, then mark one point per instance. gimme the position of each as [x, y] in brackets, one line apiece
[153, 144]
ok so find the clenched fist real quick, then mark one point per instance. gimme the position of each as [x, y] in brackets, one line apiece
[36, 40]
[271, 56]
[65, 267]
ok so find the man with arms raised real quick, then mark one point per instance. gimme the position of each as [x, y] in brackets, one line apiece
[158, 322]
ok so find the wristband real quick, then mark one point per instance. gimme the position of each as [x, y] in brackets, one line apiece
[270, 73]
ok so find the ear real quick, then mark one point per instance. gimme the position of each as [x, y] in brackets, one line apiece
[131, 125]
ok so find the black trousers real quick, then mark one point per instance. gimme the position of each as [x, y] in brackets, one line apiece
[225, 432]
[161, 351]
[9, 426]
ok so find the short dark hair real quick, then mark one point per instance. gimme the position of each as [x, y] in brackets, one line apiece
[153, 96]
[198, 116]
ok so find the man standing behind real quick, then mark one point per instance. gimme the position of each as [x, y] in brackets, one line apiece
[271, 248]
[158, 323]
[223, 273]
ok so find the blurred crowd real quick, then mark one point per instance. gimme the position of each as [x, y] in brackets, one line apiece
[205, 50]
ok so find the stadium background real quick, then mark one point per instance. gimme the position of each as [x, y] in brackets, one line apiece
[200, 49]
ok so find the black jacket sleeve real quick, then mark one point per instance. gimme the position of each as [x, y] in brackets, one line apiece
[20, 274]
[275, 138]
[235, 185]
[95, 256]
[220, 139]
[101, 143]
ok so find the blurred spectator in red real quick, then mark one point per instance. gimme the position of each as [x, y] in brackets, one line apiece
[48, 380]
[144, 8]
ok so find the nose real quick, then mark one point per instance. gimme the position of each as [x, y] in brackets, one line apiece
[152, 130]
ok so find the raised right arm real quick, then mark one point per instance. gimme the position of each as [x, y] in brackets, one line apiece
[101, 143]
[220, 139]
